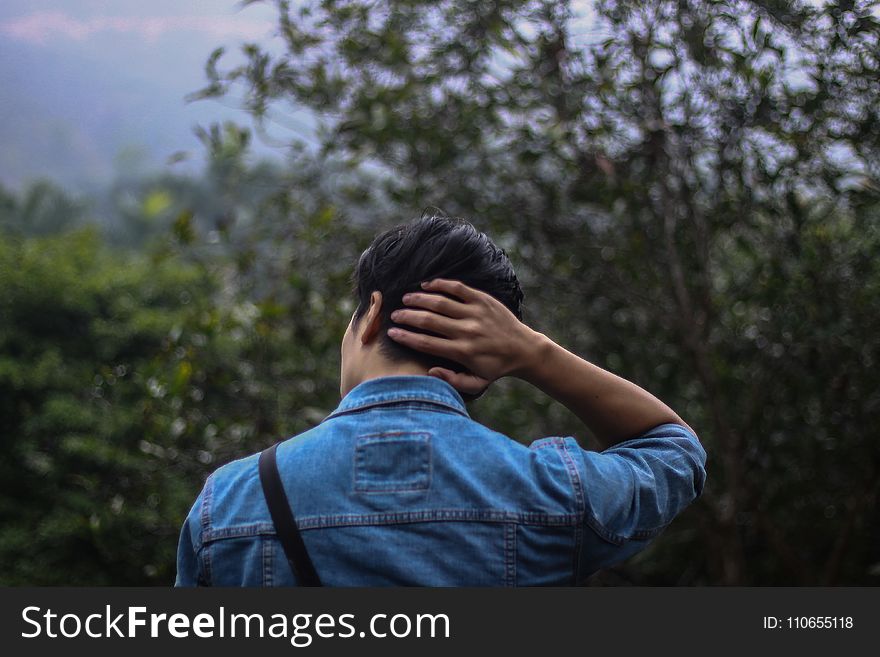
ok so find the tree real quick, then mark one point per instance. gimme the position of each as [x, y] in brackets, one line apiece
[93, 466]
[692, 202]
[43, 209]
[127, 376]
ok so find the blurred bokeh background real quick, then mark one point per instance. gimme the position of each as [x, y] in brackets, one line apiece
[690, 192]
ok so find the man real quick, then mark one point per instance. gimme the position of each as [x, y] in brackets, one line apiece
[398, 486]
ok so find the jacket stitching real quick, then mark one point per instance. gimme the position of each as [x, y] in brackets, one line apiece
[580, 500]
[367, 404]
[510, 554]
[411, 517]
[267, 546]
[205, 529]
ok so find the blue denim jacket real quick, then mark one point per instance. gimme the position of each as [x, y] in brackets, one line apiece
[399, 486]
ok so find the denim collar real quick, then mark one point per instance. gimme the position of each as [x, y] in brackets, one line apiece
[398, 388]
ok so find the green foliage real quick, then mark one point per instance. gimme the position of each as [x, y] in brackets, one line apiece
[126, 377]
[43, 209]
[90, 473]
[690, 201]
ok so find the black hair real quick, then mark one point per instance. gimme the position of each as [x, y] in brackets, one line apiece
[433, 246]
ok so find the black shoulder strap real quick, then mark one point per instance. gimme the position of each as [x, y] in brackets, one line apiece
[285, 524]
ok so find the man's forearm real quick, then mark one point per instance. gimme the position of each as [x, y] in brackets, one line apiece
[478, 331]
[613, 408]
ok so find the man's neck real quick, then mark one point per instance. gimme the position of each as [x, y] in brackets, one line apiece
[377, 366]
[394, 369]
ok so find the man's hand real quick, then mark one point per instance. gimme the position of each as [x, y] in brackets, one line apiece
[477, 331]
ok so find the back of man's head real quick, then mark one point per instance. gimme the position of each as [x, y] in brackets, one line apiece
[433, 246]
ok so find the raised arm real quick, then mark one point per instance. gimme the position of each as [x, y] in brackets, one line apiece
[476, 330]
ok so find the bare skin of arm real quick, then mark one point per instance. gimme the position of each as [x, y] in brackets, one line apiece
[479, 332]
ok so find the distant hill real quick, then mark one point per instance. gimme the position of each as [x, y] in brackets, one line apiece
[78, 109]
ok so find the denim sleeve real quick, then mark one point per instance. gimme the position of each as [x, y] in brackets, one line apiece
[634, 489]
[189, 570]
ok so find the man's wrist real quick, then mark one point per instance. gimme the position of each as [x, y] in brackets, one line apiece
[534, 353]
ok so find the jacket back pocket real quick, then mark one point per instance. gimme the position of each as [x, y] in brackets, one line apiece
[392, 462]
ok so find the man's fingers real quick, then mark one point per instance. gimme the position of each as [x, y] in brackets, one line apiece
[425, 319]
[463, 382]
[428, 344]
[436, 302]
[455, 288]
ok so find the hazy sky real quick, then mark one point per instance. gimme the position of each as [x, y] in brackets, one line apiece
[44, 21]
[90, 89]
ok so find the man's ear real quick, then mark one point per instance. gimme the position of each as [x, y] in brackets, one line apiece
[373, 318]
